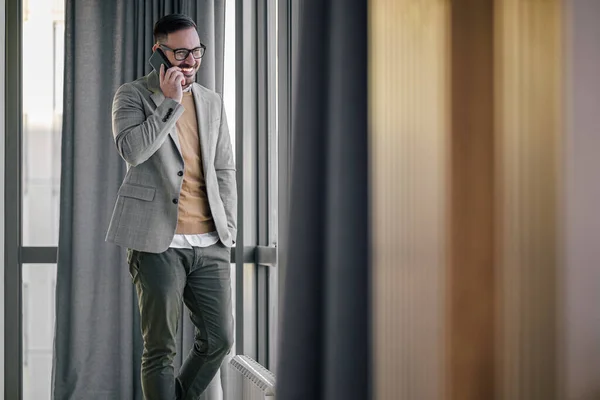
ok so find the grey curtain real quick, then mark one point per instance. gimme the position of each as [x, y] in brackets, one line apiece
[97, 344]
[324, 346]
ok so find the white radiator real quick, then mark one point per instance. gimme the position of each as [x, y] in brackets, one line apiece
[251, 381]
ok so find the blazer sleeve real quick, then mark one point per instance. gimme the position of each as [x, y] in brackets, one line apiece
[225, 169]
[136, 136]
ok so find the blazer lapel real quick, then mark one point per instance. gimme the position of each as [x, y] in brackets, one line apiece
[203, 115]
[158, 97]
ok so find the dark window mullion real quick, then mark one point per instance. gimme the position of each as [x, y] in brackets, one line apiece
[263, 314]
[263, 123]
[13, 327]
[262, 177]
[38, 255]
[48, 255]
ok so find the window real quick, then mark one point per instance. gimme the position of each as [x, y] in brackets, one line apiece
[252, 99]
[43, 58]
[39, 284]
[42, 76]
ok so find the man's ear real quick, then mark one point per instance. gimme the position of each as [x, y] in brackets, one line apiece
[154, 47]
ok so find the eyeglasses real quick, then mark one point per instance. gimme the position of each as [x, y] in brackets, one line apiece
[181, 54]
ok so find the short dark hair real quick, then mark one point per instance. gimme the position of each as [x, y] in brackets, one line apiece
[171, 23]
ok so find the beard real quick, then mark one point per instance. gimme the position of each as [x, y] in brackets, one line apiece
[191, 78]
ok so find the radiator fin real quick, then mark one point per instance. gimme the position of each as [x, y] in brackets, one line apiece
[251, 380]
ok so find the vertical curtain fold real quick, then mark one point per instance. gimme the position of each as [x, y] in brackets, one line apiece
[97, 345]
[324, 349]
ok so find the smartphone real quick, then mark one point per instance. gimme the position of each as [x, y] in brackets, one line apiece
[157, 58]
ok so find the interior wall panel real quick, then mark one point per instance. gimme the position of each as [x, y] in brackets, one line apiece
[470, 283]
[408, 108]
[528, 99]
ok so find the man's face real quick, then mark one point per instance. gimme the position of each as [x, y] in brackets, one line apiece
[183, 39]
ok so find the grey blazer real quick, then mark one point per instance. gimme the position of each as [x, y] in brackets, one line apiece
[143, 121]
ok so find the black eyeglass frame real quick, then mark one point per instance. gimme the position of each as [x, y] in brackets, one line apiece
[202, 47]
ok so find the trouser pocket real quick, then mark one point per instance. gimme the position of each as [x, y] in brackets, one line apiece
[133, 260]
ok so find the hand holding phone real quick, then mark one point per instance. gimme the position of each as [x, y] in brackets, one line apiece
[171, 82]
[171, 78]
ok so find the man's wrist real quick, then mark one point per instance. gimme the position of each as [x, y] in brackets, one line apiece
[177, 99]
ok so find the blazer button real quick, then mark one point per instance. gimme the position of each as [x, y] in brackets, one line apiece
[180, 173]
[175, 201]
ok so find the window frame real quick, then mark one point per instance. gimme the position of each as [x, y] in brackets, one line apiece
[13, 306]
[259, 148]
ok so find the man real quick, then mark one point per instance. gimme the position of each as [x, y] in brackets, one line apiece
[176, 212]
